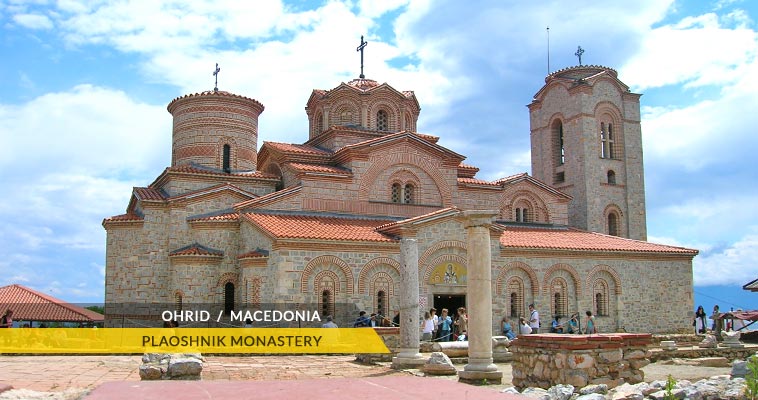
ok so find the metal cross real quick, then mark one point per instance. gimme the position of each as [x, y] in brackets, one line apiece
[579, 52]
[360, 48]
[215, 73]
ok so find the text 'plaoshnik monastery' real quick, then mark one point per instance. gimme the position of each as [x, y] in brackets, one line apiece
[320, 223]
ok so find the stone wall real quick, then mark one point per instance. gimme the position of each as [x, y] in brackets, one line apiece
[545, 360]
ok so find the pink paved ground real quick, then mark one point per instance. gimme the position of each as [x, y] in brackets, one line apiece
[378, 388]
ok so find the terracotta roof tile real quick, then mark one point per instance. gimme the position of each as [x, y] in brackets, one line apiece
[194, 169]
[253, 254]
[196, 249]
[230, 216]
[474, 181]
[326, 169]
[511, 178]
[129, 217]
[389, 226]
[320, 227]
[146, 193]
[31, 305]
[297, 148]
[574, 239]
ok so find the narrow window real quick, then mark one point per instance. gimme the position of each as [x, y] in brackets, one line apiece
[396, 192]
[228, 298]
[557, 303]
[514, 305]
[319, 123]
[408, 126]
[603, 141]
[178, 302]
[559, 143]
[326, 302]
[382, 121]
[613, 224]
[600, 304]
[227, 158]
[610, 141]
[611, 177]
[381, 302]
[562, 146]
[408, 194]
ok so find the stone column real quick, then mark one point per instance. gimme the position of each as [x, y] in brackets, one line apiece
[480, 365]
[408, 351]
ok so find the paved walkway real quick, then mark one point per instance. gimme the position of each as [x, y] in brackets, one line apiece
[70, 376]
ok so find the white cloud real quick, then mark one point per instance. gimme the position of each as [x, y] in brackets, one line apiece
[33, 21]
[735, 265]
[697, 51]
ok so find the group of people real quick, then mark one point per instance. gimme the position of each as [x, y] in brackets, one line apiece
[443, 327]
[532, 324]
[700, 321]
[374, 320]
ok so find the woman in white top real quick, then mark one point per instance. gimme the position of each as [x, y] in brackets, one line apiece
[524, 328]
[427, 327]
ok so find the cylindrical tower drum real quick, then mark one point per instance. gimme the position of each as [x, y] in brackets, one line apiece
[216, 130]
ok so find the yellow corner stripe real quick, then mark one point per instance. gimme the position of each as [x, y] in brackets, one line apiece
[191, 340]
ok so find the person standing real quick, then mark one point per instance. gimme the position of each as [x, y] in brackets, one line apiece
[534, 319]
[445, 326]
[591, 328]
[7, 319]
[363, 321]
[427, 327]
[329, 322]
[436, 321]
[718, 323]
[461, 323]
[699, 323]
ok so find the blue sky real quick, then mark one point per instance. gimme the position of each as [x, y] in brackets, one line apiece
[85, 86]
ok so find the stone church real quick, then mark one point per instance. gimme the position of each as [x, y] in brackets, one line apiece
[319, 224]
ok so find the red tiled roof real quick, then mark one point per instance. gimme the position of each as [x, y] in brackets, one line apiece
[144, 193]
[319, 227]
[297, 148]
[196, 249]
[511, 178]
[363, 84]
[391, 225]
[252, 254]
[266, 197]
[231, 216]
[196, 170]
[575, 239]
[474, 181]
[325, 169]
[214, 93]
[31, 305]
[129, 217]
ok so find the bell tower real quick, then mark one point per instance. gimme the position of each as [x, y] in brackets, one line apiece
[586, 141]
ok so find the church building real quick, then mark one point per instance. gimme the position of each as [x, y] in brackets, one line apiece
[318, 224]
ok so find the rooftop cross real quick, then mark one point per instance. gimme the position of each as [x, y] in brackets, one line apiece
[579, 52]
[360, 48]
[215, 73]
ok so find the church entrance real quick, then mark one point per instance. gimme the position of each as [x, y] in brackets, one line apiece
[449, 301]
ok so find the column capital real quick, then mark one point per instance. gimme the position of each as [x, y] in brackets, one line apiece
[474, 218]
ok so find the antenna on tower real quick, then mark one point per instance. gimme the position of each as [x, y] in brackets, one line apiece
[548, 49]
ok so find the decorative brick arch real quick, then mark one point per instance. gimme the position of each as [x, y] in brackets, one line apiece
[610, 271]
[229, 277]
[614, 209]
[364, 274]
[444, 244]
[382, 164]
[505, 272]
[326, 274]
[563, 267]
[324, 261]
[388, 277]
[509, 199]
[423, 281]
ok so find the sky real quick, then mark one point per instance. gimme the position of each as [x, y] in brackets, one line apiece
[83, 106]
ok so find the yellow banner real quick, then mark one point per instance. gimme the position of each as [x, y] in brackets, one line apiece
[191, 340]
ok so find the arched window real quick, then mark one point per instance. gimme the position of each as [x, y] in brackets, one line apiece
[319, 123]
[600, 288]
[381, 302]
[396, 192]
[523, 214]
[560, 297]
[613, 224]
[382, 121]
[227, 156]
[346, 117]
[600, 306]
[327, 301]
[408, 194]
[177, 301]
[607, 140]
[611, 177]
[228, 298]
[516, 290]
